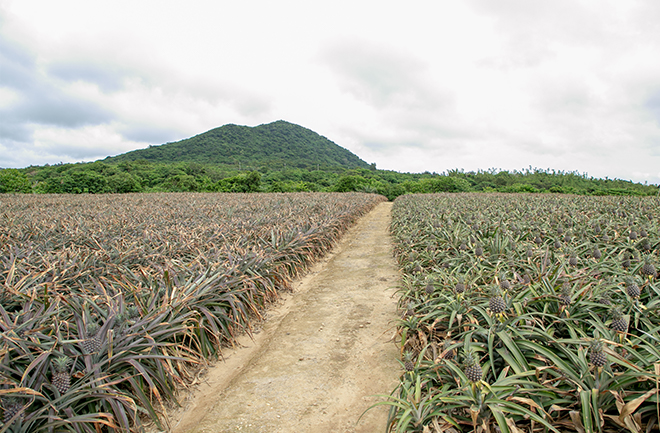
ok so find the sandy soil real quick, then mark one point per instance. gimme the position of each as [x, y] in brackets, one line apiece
[322, 354]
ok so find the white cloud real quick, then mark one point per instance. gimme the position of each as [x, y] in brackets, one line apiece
[425, 85]
[85, 143]
[8, 97]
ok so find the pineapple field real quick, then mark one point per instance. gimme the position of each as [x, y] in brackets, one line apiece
[527, 313]
[111, 304]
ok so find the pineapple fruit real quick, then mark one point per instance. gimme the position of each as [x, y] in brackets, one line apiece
[625, 263]
[565, 295]
[648, 269]
[496, 303]
[408, 362]
[472, 368]
[619, 322]
[460, 286]
[632, 289]
[61, 377]
[447, 351]
[597, 356]
[11, 406]
[92, 343]
[504, 282]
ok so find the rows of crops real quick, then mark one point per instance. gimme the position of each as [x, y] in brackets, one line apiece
[110, 304]
[527, 313]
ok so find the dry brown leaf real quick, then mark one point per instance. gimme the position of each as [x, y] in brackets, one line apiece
[632, 405]
[474, 414]
[615, 419]
[577, 421]
[512, 426]
[527, 401]
[557, 408]
[619, 401]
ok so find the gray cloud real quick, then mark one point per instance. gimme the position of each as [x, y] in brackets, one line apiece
[39, 101]
[108, 77]
[11, 132]
[382, 76]
[533, 26]
[146, 134]
[17, 64]
[652, 104]
[50, 106]
[73, 152]
[417, 109]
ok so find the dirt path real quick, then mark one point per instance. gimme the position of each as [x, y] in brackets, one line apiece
[322, 354]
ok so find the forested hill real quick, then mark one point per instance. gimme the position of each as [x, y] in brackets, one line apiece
[271, 146]
[282, 157]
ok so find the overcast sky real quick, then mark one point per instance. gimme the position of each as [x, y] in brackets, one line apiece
[412, 86]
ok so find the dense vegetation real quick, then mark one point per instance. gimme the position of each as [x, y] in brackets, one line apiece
[271, 146]
[143, 176]
[527, 313]
[282, 157]
[109, 304]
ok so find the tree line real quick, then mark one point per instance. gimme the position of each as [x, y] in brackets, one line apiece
[145, 176]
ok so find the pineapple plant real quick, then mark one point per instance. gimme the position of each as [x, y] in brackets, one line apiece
[619, 322]
[478, 250]
[133, 312]
[11, 407]
[644, 245]
[429, 289]
[512, 245]
[597, 356]
[625, 263]
[410, 310]
[496, 303]
[92, 343]
[595, 253]
[447, 351]
[572, 259]
[460, 286]
[565, 294]
[632, 289]
[472, 370]
[61, 378]
[648, 269]
[408, 362]
[504, 283]
[605, 298]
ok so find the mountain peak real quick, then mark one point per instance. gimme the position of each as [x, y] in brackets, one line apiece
[271, 146]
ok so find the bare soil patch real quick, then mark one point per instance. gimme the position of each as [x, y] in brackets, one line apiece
[322, 355]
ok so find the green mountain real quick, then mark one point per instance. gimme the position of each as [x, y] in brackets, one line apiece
[273, 146]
